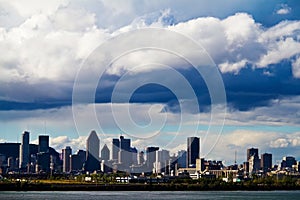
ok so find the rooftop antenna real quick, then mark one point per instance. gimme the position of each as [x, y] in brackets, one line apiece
[45, 127]
[235, 157]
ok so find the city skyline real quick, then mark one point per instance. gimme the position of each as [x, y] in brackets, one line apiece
[44, 141]
[150, 90]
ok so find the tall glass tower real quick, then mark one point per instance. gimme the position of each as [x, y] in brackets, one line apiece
[193, 150]
[24, 150]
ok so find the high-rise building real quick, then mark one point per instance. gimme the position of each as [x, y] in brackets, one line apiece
[254, 164]
[253, 160]
[24, 150]
[288, 162]
[162, 160]
[134, 155]
[252, 152]
[105, 153]
[181, 159]
[151, 157]
[141, 159]
[67, 152]
[92, 153]
[43, 143]
[125, 157]
[266, 161]
[43, 162]
[193, 151]
[77, 160]
[115, 149]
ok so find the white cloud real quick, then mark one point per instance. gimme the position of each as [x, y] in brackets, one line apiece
[283, 49]
[47, 45]
[296, 68]
[283, 10]
[61, 142]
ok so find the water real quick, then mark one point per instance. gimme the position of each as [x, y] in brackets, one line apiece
[126, 195]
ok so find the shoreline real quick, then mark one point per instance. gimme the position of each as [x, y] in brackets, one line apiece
[139, 187]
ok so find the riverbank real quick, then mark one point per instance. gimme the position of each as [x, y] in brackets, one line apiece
[23, 186]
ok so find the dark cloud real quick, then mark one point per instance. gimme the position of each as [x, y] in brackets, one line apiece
[247, 90]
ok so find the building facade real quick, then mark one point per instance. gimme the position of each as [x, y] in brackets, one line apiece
[67, 152]
[193, 151]
[24, 150]
[92, 152]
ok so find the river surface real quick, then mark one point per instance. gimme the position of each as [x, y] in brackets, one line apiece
[126, 195]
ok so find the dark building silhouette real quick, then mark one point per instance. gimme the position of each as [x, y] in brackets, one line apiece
[288, 162]
[181, 159]
[115, 149]
[67, 152]
[252, 152]
[105, 153]
[77, 160]
[10, 150]
[43, 162]
[24, 150]
[266, 162]
[193, 151]
[43, 143]
[92, 152]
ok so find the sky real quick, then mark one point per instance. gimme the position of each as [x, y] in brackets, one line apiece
[155, 71]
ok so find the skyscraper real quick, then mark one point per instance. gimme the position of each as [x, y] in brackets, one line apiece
[151, 157]
[92, 152]
[105, 153]
[162, 160]
[124, 153]
[67, 152]
[193, 151]
[253, 159]
[140, 157]
[288, 161]
[252, 152]
[43, 143]
[77, 160]
[181, 159]
[266, 161]
[24, 150]
[115, 149]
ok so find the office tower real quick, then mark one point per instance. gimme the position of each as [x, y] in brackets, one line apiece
[67, 152]
[253, 160]
[11, 163]
[43, 143]
[288, 161]
[162, 160]
[24, 150]
[181, 159]
[141, 159]
[125, 157]
[246, 167]
[115, 149]
[266, 161]
[252, 152]
[105, 153]
[43, 162]
[134, 155]
[2, 159]
[254, 164]
[193, 151]
[92, 153]
[151, 157]
[77, 160]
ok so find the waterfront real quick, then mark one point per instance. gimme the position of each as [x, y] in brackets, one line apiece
[124, 195]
